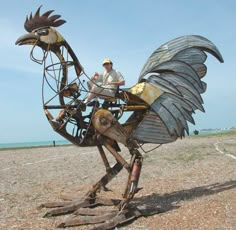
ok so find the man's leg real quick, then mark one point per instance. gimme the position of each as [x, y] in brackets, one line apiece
[92, 94]
[100, 92]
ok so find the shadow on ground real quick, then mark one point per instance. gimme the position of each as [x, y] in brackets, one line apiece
[143, 206]
[155, 203]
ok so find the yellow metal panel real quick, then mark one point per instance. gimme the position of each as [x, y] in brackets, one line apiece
[146, 92]
[137, 89]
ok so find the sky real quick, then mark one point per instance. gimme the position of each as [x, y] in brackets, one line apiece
[125, 31]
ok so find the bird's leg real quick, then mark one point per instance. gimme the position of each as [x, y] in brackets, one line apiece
[90, 200]
[133, 178]
[125, 213]
[108, 219]
[110, 174]
[134, 169]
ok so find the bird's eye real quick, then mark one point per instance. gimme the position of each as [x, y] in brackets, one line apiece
[42, 32]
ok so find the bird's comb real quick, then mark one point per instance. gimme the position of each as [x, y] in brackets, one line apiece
[39, 21]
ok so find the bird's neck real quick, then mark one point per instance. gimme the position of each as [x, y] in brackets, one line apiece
[78, 66]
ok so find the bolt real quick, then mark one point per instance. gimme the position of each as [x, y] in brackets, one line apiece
[104, 121]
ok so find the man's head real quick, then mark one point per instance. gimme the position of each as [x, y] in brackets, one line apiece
[107, 64]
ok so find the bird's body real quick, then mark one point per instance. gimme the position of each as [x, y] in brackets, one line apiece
[167, 93]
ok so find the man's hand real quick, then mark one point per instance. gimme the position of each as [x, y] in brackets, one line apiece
[95, 76]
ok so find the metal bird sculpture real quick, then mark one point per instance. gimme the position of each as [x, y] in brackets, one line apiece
[167, 93]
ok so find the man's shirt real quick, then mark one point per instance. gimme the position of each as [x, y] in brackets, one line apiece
[112, 76]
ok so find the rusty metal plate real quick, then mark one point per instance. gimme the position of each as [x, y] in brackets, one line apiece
[145, 91]
[152, 130]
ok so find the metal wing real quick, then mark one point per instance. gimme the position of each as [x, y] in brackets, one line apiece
[175, 69]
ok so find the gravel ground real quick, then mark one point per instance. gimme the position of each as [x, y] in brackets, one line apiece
[191, 183]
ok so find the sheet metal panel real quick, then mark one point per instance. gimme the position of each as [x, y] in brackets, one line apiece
[152, 130]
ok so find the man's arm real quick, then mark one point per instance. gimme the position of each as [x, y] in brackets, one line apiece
[118, 83]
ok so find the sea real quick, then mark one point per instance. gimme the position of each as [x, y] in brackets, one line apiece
[65, 142]
[33, 144]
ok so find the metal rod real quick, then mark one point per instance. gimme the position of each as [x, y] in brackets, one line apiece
[118, 157]
[104, 158]
[59, 106]
[105, 179]
[133, 178]
[135, 107]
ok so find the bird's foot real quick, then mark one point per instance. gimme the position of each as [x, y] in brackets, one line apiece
[98, 213]
[90, 212]
[100, 219]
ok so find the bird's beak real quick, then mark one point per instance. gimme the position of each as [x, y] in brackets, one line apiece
[27, 39]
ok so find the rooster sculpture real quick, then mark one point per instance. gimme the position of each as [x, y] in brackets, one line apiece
[161, 104]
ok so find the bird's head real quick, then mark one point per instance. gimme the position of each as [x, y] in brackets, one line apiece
[42, 30]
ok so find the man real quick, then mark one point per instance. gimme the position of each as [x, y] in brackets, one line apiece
[106, 84]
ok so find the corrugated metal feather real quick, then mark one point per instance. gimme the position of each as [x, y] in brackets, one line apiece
[176, 68]
[152, 130]
[191, 56]
[170, 49]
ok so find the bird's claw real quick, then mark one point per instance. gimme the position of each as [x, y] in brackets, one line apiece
[100, 219]
[65, 207]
